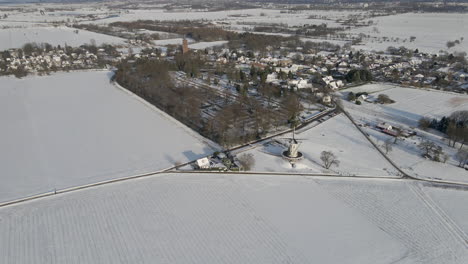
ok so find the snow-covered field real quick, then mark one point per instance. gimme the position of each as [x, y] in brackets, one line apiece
[432, 31]
[404, 211]
[453, 203]
[356, 154]
[76, 128]
[17, 37]
[247, 16]
[204, 45]
[191, 218]
[409, 157]
[338, 134]
[411, 104]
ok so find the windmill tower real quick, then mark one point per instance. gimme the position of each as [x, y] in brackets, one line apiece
[292, 154]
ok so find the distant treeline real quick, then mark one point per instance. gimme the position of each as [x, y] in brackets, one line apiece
[198, 31]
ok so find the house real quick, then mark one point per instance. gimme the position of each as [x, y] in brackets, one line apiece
[272, 77]
[326, 99]
[303, 84]
[418, 77]
[384, 126]
[460, 76]
[203, 163]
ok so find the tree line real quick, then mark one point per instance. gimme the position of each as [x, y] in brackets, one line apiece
[454, 126]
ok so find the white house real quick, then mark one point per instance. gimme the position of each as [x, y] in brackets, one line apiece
[327, 99]
[272, 77]
[203, 163]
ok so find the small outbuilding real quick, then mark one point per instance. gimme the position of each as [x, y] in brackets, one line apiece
[203, 163]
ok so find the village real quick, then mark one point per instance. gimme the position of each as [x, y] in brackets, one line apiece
[288, 67]
[279, 88]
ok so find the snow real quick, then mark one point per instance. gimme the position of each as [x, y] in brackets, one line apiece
[17, 37]
[403, 210]
[407, 155]
[453, 203]
[369, 88]
[449, 27]
[75, 128]
[192, 43]
[173, 41]
[215, 218]
[411, 103]
[179, 218]
[204, 45]
[356, 155]
[247, 16]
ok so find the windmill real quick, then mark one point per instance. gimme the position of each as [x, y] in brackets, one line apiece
[292, 154]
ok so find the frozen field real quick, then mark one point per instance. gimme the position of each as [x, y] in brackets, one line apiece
[338, 134]
[204, 45]
[356, 154]
[409, 157]
[76, 128]
[179, 218]
[411, 104]
[17, 37]
[195, 218]
[449, 27]
[451, 201]
[404, 210]
[234, 16]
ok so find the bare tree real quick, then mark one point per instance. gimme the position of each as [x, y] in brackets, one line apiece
[427, 147]
[247, 161]
[293, 106]
[462, 157]
[424, 123]
[397, 136]
[461, 134]
[445, 158]
[329, 159]
[384, 99]
[388, 145]
[452, 134]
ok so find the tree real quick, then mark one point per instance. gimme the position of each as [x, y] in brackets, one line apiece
[384, 99]
[293, 106]
[329, 159]
[462, 157]
[351, 96]
[462, 135]
[388, 145]
[247, 161]
[424, 123]
[397, 135]
[361, 75]
[434, 151]
[437, 152]
[445, 158]
[452, 134]
[427, 147]
[29, 48]
[460, 117]
[450, 44]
